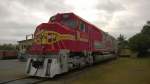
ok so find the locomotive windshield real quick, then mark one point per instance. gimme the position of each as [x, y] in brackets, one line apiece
[65, 20]
[69, 22]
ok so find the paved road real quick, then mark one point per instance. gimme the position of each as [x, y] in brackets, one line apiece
[11, 69]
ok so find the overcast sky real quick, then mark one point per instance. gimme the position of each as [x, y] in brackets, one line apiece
[20, 17]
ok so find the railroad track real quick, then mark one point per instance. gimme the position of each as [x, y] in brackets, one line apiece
[37, 80]
[61, 79]
[25, 80]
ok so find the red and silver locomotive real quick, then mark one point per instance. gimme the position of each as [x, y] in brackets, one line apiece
[67, 42]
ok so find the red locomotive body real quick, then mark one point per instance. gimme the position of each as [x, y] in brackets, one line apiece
[69, 31]
[67, 42]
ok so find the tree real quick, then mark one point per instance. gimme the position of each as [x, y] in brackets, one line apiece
[146, 29]
[7, 47]
[141, 42]
[122, 43]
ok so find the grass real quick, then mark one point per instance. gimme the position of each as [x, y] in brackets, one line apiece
[120, 71]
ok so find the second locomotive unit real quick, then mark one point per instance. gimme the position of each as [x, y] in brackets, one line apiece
[65, 43]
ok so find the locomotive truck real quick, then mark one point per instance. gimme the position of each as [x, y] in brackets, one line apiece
[67, 42]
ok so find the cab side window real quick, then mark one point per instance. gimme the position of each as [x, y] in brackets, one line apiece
[82, 27]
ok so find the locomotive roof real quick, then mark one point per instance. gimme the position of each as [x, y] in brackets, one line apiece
[71, 13]
[78, 17]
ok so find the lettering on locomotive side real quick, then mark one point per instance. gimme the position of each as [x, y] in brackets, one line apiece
[82, 37]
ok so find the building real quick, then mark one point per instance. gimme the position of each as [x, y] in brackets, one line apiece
[23, 45]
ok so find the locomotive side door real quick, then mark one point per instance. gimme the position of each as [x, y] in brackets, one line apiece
[82, 35]
[90, 38]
